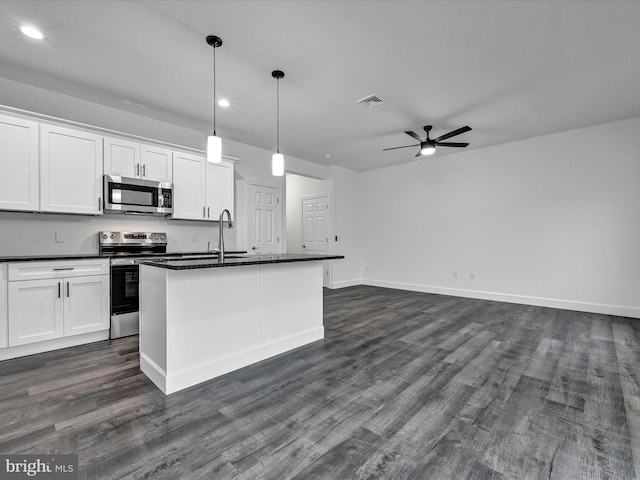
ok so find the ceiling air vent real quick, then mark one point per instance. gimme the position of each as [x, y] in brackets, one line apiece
[371, 100]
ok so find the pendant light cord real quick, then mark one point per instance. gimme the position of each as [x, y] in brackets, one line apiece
[278, 115]
[214, 91]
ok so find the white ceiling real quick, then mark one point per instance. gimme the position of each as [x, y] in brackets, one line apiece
[509, 69]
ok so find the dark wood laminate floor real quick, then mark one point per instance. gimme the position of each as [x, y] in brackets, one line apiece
[405, 386]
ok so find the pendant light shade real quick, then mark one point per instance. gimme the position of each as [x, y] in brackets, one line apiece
[214, 142]
[277, 159]
[214, 149]
[277, 165]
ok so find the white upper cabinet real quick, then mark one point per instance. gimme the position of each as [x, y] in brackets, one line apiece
[219, 189]
[70, 170]
[156, 163]
[130, 159]
[18, 164]
[201, 190]
[121, 157]
[189, 186]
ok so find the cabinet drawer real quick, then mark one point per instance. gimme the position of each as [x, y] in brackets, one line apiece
[57, 269]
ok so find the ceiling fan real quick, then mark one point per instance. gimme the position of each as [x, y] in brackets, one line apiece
[428, 145]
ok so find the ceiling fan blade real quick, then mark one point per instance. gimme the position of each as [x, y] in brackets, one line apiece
[414, 135]
[452, 144]
[395, 148]
[453, 133]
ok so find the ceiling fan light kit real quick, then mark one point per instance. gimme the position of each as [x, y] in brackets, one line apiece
[214, 142]
[428, 145]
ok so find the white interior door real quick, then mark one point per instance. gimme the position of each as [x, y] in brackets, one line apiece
[316, 230]
[315, 224]
[265, 212]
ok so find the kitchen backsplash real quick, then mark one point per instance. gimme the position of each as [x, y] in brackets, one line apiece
[45, 234]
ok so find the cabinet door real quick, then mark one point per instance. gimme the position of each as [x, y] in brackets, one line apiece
[86, 304]
[70, 170]
[220, 189]
[18, 164]
[188, 186]
[35, 311]
[121, 157]
[4, 326]
[156, 164]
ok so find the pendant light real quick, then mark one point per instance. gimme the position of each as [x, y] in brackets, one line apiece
[214, 143]
[277, 159]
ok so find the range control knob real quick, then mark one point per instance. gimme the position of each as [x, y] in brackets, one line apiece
[105, 236]
[112, 236]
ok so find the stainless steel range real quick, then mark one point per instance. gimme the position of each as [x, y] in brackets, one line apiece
[126, 250]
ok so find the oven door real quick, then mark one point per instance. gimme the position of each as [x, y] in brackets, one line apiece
[124, 300]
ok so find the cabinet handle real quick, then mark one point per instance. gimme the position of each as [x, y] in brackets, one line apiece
[208, 212]
[58, 289]
[67, 289]
[144, 170]
[204, 212]
[99, 203]
[65, 268]
[137, 169]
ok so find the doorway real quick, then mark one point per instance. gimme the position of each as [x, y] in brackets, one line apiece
[308, 202]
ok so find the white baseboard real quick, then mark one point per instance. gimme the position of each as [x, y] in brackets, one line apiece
[200, 373]
[55, 344]
[344, 284]
[617, 310]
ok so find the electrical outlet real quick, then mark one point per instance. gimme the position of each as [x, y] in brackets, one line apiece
[59, 237]
[472, 276]
[366, 269]
[195, 238]
[454, 274]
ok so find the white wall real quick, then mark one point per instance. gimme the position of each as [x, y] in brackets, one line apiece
[551, 220]
[298, 187]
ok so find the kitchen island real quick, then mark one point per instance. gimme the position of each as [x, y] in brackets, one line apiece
[202, 318]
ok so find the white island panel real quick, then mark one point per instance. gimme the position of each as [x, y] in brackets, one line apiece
[215, 313]
[197, 324]
[288, 311]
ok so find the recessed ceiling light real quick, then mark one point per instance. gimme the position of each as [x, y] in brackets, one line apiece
[223, 102]
[31, 32]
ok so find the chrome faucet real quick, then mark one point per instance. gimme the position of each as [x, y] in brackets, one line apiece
[221, 234]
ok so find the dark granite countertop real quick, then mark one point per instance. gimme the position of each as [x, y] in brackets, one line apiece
[89, 256]
[236, 261]
[49, 258]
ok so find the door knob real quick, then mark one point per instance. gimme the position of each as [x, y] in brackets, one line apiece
[253, 248]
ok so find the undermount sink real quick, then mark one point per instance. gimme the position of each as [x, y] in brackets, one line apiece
[202, 256]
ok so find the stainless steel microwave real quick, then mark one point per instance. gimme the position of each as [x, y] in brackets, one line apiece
[136, 196]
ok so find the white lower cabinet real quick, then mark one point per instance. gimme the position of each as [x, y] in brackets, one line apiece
[4, 327]
[49, 300]
[35, 311]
